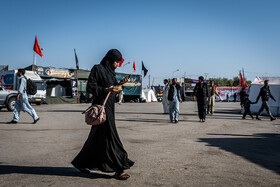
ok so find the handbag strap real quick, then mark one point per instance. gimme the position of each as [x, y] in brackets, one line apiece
[106, 99]
[102, 105]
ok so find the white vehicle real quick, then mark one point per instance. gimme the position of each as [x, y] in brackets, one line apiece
[9, 80]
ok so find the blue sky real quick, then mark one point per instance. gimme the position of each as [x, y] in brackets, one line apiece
[217, 37]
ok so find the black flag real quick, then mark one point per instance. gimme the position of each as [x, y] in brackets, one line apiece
[76, 58]
[144, 69]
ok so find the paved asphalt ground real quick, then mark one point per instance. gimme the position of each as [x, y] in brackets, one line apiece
[223, 151]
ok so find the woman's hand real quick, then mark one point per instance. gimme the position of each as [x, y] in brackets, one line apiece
[124, 80]
[111, 89]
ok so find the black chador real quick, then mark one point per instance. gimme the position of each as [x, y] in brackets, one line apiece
[103, 149]
[201, 93]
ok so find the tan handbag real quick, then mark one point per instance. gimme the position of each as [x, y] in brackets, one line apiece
[96, 114]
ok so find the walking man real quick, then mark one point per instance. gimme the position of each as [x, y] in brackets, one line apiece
[22, 103]
[212, 96]
[201, 93]
[265, 94]
[165, 102]
[174, 97]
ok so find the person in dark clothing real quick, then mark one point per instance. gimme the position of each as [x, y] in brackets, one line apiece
[234, 97]
[103, 149]
[265, 94]
[242, 96]
[247, 105]
[201, 93]
[174, 97]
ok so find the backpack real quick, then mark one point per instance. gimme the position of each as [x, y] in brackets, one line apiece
[31, 88]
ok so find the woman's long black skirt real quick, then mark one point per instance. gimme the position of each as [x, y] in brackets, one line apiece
[103, 149]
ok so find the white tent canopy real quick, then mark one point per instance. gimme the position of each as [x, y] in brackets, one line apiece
[56, 91]
[274, 85]
[148, 95]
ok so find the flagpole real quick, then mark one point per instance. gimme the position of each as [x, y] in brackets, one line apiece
[34, 58]
[34, 62]
[77, 68]
[78, 86]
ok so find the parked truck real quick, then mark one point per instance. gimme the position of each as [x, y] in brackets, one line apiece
[9, 80]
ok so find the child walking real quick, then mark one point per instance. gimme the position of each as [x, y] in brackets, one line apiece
[247, 104]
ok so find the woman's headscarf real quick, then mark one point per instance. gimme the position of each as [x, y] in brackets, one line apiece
[111, 56]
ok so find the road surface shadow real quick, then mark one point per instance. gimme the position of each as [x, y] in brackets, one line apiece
[153, 120]
[227, 111]
[8, 123]
[152, 113]
[57, 171]
[261, 149]
[147, 113]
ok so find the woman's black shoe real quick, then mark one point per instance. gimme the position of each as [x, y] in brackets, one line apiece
[83, 170]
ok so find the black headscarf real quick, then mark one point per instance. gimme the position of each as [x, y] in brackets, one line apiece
[112, 56]
[201, 78]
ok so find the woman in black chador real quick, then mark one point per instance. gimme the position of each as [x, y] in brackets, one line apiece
[103, 149]
[201, 93]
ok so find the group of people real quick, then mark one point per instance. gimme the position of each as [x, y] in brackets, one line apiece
[206, 96]
[264, 94]
[103, 148]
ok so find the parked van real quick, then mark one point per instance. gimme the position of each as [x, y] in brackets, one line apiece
[9, 80]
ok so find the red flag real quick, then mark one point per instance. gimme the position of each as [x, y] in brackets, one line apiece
[37, 48]
[242, 81]
[120, 65]
[134, 67]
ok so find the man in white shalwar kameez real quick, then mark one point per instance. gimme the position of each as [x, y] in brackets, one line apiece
[165, 101]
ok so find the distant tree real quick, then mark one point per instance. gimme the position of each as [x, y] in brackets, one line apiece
[218, 81]
[249, 83]
[236, 81]
[230, 83]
